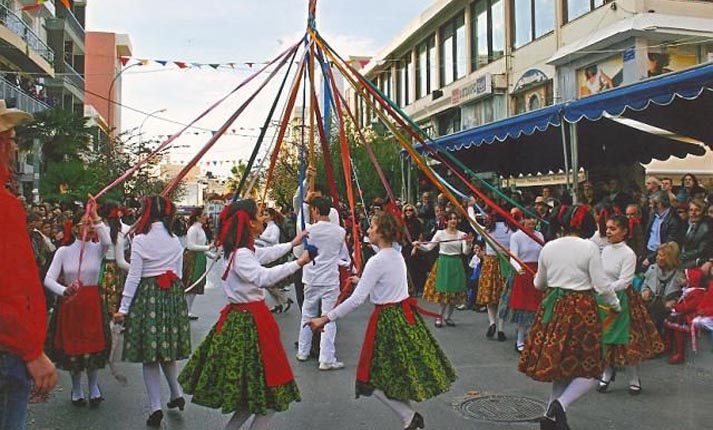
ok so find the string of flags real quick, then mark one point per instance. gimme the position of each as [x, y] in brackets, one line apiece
[39, 4]
[193, 65]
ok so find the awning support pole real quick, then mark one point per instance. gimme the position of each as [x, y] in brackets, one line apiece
[574, 145]
[566, 157]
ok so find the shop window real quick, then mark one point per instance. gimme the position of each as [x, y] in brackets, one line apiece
[425, 67]
[449, 122]
[488, 32]
[532, 19]
[533, 98]
[453, 55]
[403, 81]
[483, 112]
[573, 9]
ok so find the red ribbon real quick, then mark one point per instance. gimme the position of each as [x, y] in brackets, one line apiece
[167, 279]
[274, 359]
[367, 351]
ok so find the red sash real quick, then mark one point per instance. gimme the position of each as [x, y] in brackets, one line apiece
[367, 350]
[274, 359]
[80, 323]
[166, 280]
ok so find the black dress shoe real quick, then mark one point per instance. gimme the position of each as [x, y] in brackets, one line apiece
[491, 331]
[178, 402]
[449, 322]
[155, 418]
[96, 401]
[547, 423]
[277, 309]
[79, 402]
[416, 422]
[502, 337]
[556, 412]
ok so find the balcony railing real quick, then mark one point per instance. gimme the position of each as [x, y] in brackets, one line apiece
[74, 24]
[73, 77]
[16, 97]
[18, 26]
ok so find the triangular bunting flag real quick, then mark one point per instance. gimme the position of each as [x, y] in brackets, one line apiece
[66, 4]
[198, 65]
[232, 65]
[180, 64]
[34, 6]
[213, 132]
[162, 62]
[144, 62]
[250, 65]
[215, 66]
[124, 60]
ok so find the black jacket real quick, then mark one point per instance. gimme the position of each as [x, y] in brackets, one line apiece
[672, 229]
[697, 244]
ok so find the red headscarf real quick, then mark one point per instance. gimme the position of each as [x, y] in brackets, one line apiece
[242, 218]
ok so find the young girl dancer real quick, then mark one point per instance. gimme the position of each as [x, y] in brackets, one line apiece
[153, 306]
[241, 366]
[400, 360]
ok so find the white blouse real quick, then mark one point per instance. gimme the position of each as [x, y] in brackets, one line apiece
[383, 281]
[573, 263]
[248, 277]
[524, 248]
[600, 240]
[65, 263]
[269, 237]
[442, 238]
[196, 239]
[152, 254]
[116, 251]
[501, 234]
[619, 263]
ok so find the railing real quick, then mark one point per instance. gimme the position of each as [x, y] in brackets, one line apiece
[23, 101]
[18, 26]
[74, 24]
[73, 77]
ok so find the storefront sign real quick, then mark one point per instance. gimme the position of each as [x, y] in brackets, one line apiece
[531, 78]
[482, 86]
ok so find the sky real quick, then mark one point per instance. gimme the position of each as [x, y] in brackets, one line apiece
[224, 31]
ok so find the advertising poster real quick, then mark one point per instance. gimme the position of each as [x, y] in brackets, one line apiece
[601, 76]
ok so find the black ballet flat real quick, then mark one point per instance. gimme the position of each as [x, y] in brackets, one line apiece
[178, 402]
[635, 389]
[277, 309]
[289, 304]
[154, 420]
[78, 402]
[416, 422]
[449, 322]
[604, 385]
[502, 337]
[96, 401]
[491, 331]
[556, 412]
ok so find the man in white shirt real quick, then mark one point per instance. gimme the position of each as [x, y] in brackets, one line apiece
[321, 282]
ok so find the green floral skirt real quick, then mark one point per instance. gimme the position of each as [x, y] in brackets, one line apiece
[111, 286]
[194, 266]
[157, 327]
[408, 363]
[226, 371]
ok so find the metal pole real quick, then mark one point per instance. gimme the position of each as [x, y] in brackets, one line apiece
[574, 140]
[37, 151]
[150, 115]
[564, 150]
[109, 100]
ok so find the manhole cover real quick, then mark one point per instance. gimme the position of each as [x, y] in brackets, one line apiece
[510, 409]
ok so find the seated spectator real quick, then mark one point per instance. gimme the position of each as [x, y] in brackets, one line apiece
[617, 197]
[682, 211]
[635, 240]
[697, 244]
[589, 195]
[662, 284]
[667, 186]
[690, 188]
[664, 226]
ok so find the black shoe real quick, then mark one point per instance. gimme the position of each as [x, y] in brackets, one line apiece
[556, 412]
[547, 423]
[277, 309]
[178, 402]
[416, 422]
[79, 402]
[289, 304]
[449, 322]
[635, 389]
[192, 317]
[491, 331]
[96, 401]
[604, 385]
[155, 418]
[502, 337]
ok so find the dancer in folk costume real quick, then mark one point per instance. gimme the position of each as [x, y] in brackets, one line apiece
[271, 237]
[153, 306]
[79, 338]
[195, 258]
[492, 282]
[115, 266]
[632, 337]
[241, 366]
[564, 344]
[400, 360]
[446, 283]
[525, 298]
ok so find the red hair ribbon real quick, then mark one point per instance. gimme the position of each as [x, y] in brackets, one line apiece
[67, 231]
[116, 213]
[242, 219]
[561, 214]
[577, 218]
[633, 222]
[145, 215]
[167, 206]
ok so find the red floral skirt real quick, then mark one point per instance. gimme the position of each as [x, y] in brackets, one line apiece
[569, 345]
[644, 340]
[491, 283]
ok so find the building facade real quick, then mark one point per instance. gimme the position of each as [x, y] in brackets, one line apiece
[465, 63]
[66, 37]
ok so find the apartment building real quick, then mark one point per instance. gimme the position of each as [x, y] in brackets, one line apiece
[66, 37]
[466, 63]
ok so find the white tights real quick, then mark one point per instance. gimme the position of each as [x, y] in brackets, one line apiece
[492, 313]
[93, 379]
[189, 301]
[152, 379]
[447, 311]
[402, 409]
[567, 392]
[260, 422]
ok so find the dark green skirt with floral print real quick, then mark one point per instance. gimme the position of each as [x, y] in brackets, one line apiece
[226, 371]
[157, 326]
[408, 363]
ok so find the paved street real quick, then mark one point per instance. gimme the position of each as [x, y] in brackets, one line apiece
[674, 397]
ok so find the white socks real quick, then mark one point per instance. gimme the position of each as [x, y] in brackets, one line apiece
[633, 372]
[492, 313]
[152, 379]
[93, 377]
[576, 389]
[170, 370]
[77, 392]
[260, 422]
[449, 314]
[189, 301]
[558, 388]
[608, 374]
[402, 409]
[443, 310]
[521, 332]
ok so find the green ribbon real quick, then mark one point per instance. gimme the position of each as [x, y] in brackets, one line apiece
[618, 331]
[548, 303]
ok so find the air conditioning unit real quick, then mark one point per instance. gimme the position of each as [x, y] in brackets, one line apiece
[436, 94]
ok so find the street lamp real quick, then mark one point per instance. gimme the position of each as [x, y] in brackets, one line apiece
[109, 100]
[149, 115]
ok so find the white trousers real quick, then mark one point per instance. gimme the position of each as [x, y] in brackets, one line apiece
[327, 296]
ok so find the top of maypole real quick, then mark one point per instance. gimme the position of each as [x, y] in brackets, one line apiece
[312, 15]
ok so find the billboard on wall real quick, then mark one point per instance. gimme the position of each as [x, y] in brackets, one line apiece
[601, 76]
[671, 59]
